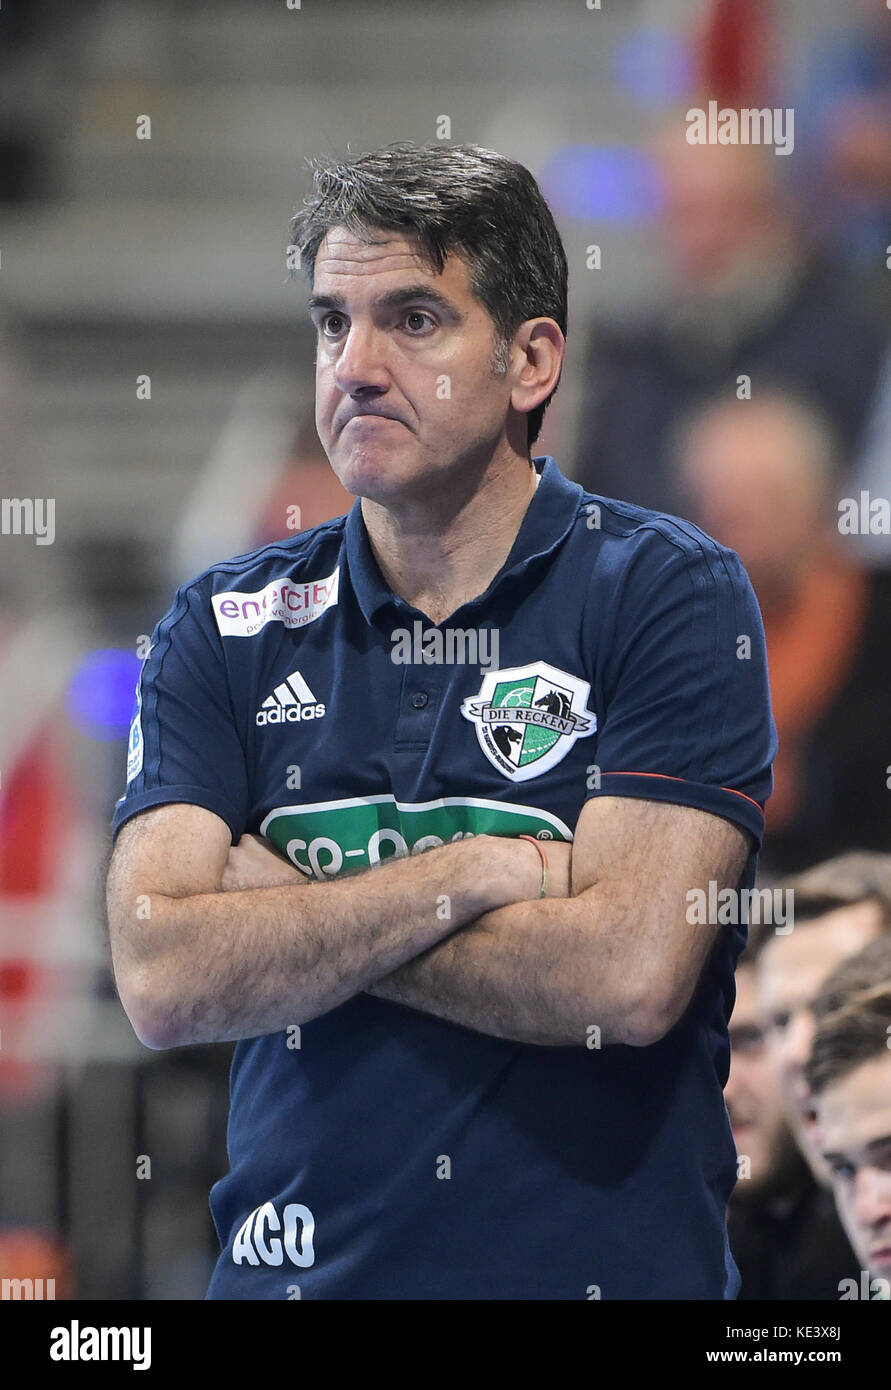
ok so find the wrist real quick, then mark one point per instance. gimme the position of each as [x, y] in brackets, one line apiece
[508, 871]
[544, 881]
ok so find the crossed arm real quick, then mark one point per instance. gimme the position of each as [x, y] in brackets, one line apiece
[617, 953]
[208, 947]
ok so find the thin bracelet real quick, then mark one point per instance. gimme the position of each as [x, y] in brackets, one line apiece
[542, 892]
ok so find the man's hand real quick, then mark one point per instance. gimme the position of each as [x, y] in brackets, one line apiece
[618, 951]
[194, 963]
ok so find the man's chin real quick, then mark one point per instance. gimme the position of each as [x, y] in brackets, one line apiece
[375, 472]
[779, 1172]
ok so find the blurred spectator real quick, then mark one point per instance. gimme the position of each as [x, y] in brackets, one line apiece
[784, 1234]
[871, 472]
[837, 908]
[266, 479]
[748, 296]
[759, 476]
[849, 1076]
[843, 112]
[753, 1095]
[308, 492]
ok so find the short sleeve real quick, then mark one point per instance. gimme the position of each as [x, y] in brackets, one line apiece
[184, 744]
[683, 681]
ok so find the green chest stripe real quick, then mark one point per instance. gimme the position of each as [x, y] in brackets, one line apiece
[333, 837]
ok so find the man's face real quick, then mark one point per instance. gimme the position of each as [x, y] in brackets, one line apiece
[717, 206]
[854, 1115]
[753, 1096]
[405, 392]
[791, 971]
[753, 483]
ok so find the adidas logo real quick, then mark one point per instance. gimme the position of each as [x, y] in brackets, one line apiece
[290, 703]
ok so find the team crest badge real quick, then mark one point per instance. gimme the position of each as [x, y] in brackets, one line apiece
[528, 717]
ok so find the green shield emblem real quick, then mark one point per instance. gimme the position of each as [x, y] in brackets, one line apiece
[528, 718]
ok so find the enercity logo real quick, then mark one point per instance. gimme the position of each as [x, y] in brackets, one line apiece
[449, 646]
[293, 603]
[29, 516]
[721, 907]
[291, 702]
[748, 126]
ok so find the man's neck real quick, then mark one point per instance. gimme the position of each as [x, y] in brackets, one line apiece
[445, 552]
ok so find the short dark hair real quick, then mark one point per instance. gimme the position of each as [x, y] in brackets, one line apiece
[454, 198]
[853, 1012]
[851, 878]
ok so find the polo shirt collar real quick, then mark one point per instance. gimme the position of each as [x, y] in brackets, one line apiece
[550, 514]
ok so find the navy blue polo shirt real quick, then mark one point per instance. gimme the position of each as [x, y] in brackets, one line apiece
[378, 1152]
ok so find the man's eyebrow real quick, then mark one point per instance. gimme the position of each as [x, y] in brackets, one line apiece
[746, 1030]
[393, 299]
[874, 1146]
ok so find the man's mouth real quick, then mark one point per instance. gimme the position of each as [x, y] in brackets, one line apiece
[365, 415]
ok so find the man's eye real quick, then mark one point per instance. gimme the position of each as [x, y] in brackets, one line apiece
[779, 1022]
[842, 1169]
[417, 314]
[326, 321]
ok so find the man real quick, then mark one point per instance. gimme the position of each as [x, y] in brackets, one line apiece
[764, 1144]
[762, 477]
[468, 1066]
[849, 1074]
[784, 1233]
[839, 907]
[747, 296]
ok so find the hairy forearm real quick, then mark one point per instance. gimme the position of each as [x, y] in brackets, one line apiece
[220, 966]
[543, 971]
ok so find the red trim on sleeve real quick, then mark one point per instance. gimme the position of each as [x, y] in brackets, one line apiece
[666, 777]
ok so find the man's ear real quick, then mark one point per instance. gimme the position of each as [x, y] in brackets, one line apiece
[540, 346]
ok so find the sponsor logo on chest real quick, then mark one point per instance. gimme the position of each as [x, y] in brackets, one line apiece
[285, 600]
[528, 717]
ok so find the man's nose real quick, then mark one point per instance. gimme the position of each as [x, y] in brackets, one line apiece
[798, 1038]
[872, 1197]
[361, 362]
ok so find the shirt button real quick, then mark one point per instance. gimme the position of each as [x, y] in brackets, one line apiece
[419, 699]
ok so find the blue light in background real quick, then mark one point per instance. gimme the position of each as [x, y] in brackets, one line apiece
[653, 66]
[101, 695]
[617, 183]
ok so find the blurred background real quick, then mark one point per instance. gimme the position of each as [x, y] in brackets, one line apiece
[728, 360]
